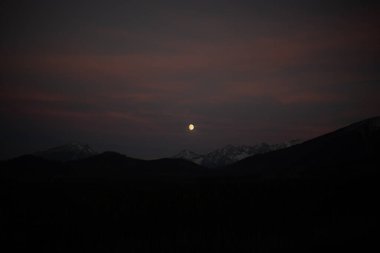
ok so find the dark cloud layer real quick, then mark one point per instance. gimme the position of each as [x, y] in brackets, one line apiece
[129, 75]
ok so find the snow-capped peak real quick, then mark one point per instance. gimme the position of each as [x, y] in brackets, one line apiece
[68, 152]
[190, 156]
[231, 154]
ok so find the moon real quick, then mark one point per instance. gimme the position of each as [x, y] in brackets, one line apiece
[191, 127]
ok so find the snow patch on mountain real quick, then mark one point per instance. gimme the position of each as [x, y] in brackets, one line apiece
[190, 156]
[231, 154]
[68, 152]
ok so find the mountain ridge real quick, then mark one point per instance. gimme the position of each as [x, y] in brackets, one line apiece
[67, 152]
[312, 196]
[345, 148]
[230, 154]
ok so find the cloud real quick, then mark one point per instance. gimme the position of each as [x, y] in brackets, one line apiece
[239, 72]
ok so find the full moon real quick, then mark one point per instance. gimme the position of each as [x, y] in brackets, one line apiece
[191, 127]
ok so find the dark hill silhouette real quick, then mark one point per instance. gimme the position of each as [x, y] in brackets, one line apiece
[115, 166]
[105, 166]
[29, 168]
[108, 160]
[354, 149]
[317, 196]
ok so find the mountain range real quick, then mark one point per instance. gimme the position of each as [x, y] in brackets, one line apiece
[68, 152]
[346, 148]
[231, 154]
[218, 158]
[317, 195]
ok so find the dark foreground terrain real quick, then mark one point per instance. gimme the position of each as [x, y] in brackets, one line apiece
[318, 196]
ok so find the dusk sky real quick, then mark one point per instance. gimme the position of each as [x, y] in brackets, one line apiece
[129, 76]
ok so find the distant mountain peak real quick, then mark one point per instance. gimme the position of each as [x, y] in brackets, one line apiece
[67, 152]
[187, 152]
[190, 156]
[231, 153]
